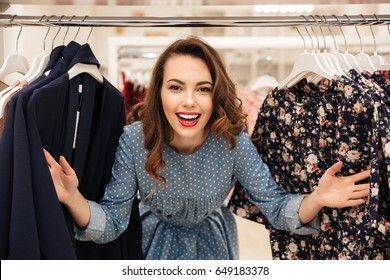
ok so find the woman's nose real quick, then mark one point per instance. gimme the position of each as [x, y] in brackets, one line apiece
[189, 97]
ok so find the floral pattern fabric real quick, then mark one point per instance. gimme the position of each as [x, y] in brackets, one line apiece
[302, 131]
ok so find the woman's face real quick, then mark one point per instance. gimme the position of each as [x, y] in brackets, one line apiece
[187, 101]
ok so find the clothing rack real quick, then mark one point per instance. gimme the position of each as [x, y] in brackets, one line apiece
[8, 20]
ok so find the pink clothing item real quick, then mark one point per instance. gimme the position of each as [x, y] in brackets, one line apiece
[251, 103]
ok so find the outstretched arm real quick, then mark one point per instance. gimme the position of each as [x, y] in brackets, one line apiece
[66, 183]
[335, 191]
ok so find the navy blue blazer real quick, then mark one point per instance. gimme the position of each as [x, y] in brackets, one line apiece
[90, 151]
[33, 223]
[24, 205]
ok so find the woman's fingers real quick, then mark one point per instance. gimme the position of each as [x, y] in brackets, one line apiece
[68, 170]
[50, 160]
[334, 168]
[355, 202]
[360, 194]
[342, 191]
[356, 177]
[62, 163]
[361, 187]
[361, 176]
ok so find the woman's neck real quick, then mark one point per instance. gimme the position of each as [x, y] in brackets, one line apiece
[188, 146]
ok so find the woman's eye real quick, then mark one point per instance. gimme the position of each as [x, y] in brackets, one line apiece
[174, 88]
[204, 89]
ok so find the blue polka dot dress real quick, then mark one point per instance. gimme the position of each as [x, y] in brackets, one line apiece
[187, 219]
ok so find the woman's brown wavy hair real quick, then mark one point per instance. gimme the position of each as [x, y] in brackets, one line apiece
[226, 121]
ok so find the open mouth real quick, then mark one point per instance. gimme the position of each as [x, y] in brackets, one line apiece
[188, 119]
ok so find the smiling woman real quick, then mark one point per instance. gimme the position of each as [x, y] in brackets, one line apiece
[184, 149]
[187, 100]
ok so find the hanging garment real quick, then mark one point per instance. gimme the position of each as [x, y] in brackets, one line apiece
[133, 92]
[382, 81]
[385, 73]
[91, 151]
[303, 131]
[32, 221]
[48, 112]
[377, 99]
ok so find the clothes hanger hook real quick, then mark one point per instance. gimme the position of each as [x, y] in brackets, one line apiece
[11, 20]
[342, 33]
[388, 28]
[17, 38]
[67, 30]
[78, 30]
[90, 30]
[52, 43]
[381, 22]
[47, 33]
[40, 20]
[303, 39]
[308, 33]
[372, 32]
[315, 34]
[322, 31]
[357, 31]
[331, 33]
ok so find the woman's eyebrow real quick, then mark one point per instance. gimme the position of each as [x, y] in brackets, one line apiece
[175, 80]
[182, 83]
[204, 82]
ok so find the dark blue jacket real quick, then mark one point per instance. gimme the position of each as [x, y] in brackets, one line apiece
[92, 151]
[20, 236]
[46, 117]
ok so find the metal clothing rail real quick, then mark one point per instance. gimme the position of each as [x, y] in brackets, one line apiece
[7, 20]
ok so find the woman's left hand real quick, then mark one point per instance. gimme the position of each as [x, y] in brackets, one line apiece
[341, 191]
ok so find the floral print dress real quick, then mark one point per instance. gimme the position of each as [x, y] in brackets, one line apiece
[300, 132]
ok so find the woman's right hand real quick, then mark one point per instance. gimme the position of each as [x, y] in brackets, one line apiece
[336, 192]
[66, 185]
[64, 178]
